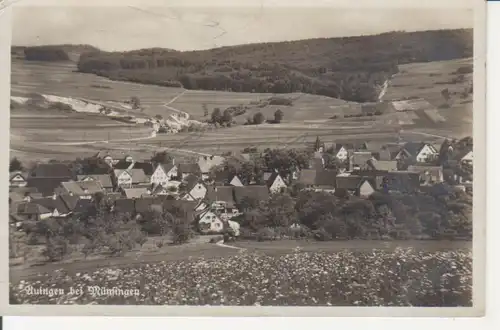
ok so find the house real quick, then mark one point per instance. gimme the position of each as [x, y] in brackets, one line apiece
[81, 189]
[147, 167]
[163, 173]
[224, 178]
[255, 193]
[58, 205]
[382, 165]
[47, 177]
[130, 177]
[466, 157]
[359, 160]
[32, 211]
[104, 179]
[186, 169]
[160, 190]
[428, 174]
[132, 193]
[324, 180]
[419, 152]
[206, 163]
[275, 183]
[355, 185]
[194, 189]
[387, 153]
[341, 152]
[209, 222]
[402, 181]
[18, 179]
[82, 206]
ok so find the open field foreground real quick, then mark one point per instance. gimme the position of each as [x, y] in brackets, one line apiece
[403, 277]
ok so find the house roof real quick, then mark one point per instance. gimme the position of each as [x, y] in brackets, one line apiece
[125, 205]
[403, 181]
[388, 152]
[433, 171]
[112, 196]
[360, 158]
[15, 197]
[462, 153]
[220, 193]
[307, 177]
[24, 190]
[31, 208]
[165, 166]
[137, 174]
[46, 185]
[12, 175]
[350, 182]
[91, 187]
[413, 148]
[143, 205]
[147, 167]
[104, 179]
[188, 207]
[206, 163]
[259, 193]
[326, 178]
[135, 192]
[317, 164]
[70, 201]
[270, 180]
[53, 203]
[383, 165]
[51, 170]
[189, 168]
[82, 205]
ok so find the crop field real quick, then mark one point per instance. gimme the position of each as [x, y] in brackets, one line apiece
[401, 277]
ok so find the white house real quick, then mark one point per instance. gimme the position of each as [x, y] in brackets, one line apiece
[275, 183]
[17, 179]
[341, 153]
[163, 173]
[467, 159]
[210, 223]
[420, 152]
[427, 152]
[197, 190]
[236, 182]
[123, 178]
[366, 189]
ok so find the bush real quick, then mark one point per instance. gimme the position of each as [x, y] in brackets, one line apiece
[45, 53]
[280, 101]
[56, 248]
[266, 234]
[258, 118]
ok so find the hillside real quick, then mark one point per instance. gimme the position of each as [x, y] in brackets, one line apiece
[350, 68]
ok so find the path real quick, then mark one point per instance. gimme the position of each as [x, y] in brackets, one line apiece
[167, 104]
[221, 244]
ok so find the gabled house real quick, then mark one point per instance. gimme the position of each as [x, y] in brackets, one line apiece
[206, 163]
[341, 151]
[382, 165]
[418, 152]
[130, 177]
[18, 179]
[163, 173]
[324, 180]
[388, 153]
[402, 181]
[224, 178]
[147, 167]
[275, 183]
[104, 179]
[81, 189]
[209, 222]
[186, 169]
[466, 157]
[32, 211]
[428, 174]
[59, 206]
[359, 160]
[132, 193]
[220, 198]
[355, 185]
[194, 189]
[47, 177]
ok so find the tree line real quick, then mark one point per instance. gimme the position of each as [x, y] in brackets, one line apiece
[350, 68]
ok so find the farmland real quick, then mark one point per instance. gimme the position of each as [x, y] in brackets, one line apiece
[35, 133]
[401, 277]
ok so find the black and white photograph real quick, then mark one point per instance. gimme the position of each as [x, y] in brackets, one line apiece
[260, 156]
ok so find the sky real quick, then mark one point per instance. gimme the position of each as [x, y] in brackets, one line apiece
[128, 27]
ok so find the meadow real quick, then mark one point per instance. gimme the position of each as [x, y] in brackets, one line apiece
[402, 277]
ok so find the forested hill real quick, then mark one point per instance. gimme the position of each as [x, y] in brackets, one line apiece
[351, 68]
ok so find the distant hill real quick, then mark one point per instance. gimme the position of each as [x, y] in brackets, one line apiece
[51, 53]
[350, 68]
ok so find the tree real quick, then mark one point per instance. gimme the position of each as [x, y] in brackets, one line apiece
[227, 117]
[281, 210]
[15, 165]
[205, 110]
[56, 248]
[258, 118]
[135, 102]
[216, 116]
[278, 116]
[159, 117]
[162, 157]
[445, 93]
[317, 144]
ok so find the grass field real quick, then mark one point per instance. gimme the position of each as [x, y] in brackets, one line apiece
[309, 116]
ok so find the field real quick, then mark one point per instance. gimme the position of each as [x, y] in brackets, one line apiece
[39, 135]
[401, 277]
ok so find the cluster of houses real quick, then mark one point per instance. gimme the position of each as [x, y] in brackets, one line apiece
[135, 187]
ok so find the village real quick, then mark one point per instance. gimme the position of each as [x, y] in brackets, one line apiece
[212, 191]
